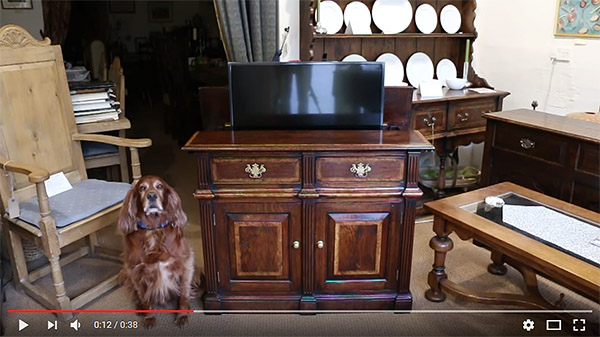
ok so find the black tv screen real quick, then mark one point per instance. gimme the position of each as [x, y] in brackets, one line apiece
[306, 95]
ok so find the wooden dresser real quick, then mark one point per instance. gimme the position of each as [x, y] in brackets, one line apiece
[453, 120]
[307, 220]
[555, 155]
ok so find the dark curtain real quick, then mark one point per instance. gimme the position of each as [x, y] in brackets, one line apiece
[248, 29]
[56, 20]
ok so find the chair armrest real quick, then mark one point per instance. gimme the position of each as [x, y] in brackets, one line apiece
[36, 174]
[119, 141]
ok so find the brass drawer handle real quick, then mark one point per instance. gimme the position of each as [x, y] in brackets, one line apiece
[320, 244]
[428, 123]
[527, 143]
[296, 244]
[360, 170]
[460, 117]
[255, 170]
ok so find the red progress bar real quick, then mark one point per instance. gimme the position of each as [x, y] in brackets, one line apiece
[98, 311]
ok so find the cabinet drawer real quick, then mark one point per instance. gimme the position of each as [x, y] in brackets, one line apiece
[430, 113]
[467, 114]
[256, 170]
[532, 143]
[360, 170]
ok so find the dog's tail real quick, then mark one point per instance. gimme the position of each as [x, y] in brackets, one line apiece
[198, 285]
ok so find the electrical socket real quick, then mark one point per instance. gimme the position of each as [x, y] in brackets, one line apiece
[562, 54]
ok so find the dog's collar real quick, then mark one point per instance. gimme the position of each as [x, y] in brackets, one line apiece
[142, 225]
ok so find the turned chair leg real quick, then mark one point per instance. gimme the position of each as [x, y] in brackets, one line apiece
[64, 302]
[17, 257]
[92, 241]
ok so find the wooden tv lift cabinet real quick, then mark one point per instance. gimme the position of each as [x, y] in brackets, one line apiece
[307, 220]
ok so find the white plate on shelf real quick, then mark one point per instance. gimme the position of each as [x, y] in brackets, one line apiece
[359, 14]
[445, 69]
[394, 70]
[332, 17]
[419, 68]
[426, 18]
[354, 58]
[392, 16]
[450, 19]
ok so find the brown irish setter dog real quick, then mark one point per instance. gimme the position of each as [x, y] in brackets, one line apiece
[158, 261]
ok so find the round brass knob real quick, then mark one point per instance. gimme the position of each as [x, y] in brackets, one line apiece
[296, 244]
[320, 244]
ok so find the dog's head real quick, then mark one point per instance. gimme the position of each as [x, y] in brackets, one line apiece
[152, 201]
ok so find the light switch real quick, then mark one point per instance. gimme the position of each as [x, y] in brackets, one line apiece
[562, 54]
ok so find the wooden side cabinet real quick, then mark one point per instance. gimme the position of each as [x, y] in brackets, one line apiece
[554, 155]
[307, 220]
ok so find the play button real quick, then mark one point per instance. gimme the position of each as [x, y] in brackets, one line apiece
[22, 325]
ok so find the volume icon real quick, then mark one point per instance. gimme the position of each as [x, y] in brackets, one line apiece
[75, 325]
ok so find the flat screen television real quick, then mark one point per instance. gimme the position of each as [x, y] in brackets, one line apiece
[306, 95]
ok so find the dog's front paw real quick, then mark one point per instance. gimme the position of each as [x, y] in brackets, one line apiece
[149, 321]
[181, 320]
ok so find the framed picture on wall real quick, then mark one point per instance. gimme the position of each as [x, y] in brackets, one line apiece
[17, 4]
[577, 18]
[160, 11]
[121, 6]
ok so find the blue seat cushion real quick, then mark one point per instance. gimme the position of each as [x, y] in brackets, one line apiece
[87, 197]
[95, 148]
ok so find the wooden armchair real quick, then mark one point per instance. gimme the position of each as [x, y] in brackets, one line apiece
[39, 137]
[98, 155]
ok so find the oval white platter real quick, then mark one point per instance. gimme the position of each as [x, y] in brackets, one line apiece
[354, 58]
[331, 17]
[392, 16]
[450, 19]
[445, 69]
[394, 70]
[426, 18]
[419, 68]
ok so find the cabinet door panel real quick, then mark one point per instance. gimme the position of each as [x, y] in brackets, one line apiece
[259, 255]
[355, 255]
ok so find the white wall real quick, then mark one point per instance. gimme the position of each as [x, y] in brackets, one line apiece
[30, 19]
[513, 53]
[289, 16]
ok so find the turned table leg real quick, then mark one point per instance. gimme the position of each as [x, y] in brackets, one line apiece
[497, 266]
[441, 183]
[441, 244]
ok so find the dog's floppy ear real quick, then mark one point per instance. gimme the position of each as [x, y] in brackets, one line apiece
[127, 217]
[174, 210]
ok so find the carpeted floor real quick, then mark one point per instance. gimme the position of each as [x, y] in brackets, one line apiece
[466, 264]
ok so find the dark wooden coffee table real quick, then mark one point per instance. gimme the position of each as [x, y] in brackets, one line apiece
[530, 255]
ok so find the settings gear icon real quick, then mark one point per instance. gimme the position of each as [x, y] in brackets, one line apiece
[528, 325]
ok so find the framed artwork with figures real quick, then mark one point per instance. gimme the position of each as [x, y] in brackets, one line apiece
[577, 18]
[17, 4]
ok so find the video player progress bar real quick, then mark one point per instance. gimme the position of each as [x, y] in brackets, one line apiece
[586, 311]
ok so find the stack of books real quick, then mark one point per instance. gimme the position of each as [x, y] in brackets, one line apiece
[94, 102]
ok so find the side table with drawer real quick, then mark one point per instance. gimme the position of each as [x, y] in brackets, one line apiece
[307, 220]
[454, 119]
[555, 155]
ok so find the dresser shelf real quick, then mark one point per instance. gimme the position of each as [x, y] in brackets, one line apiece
[394, 36]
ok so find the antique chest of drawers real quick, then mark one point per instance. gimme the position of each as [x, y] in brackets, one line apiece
[555, 155]
[307, 220]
